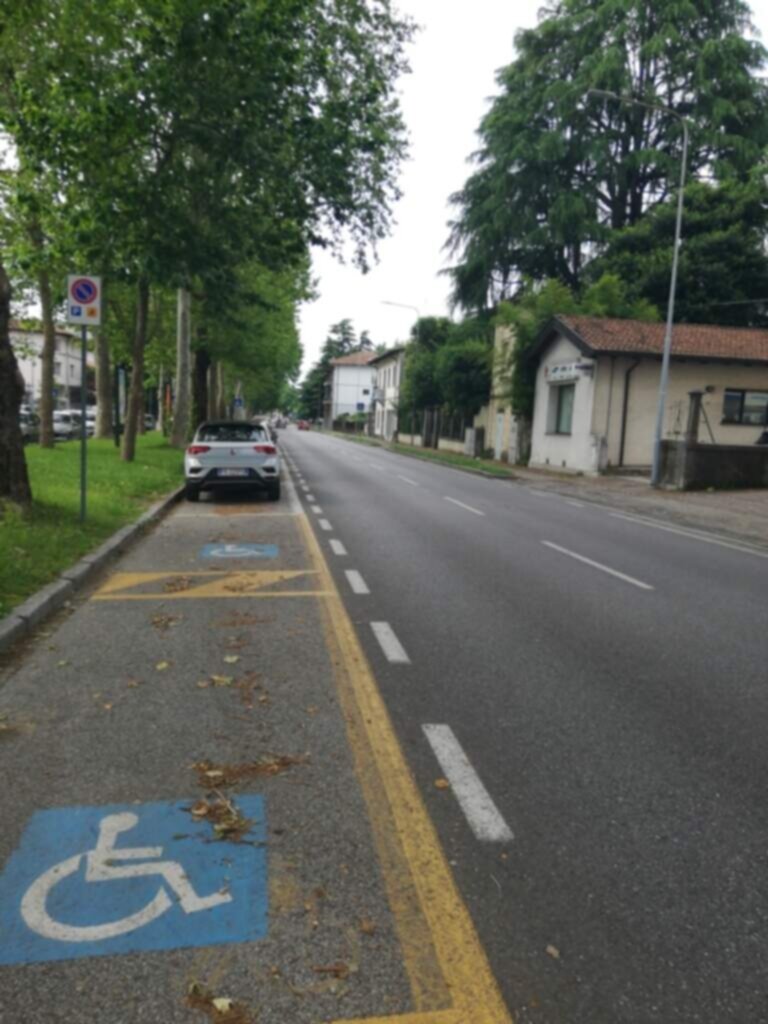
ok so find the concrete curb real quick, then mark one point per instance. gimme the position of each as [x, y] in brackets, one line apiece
[25, 617]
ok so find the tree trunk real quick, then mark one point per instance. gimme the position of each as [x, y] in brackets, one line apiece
[103, 427]
[161, 399]
[213, 386]
[220, 393]
[14, 480]
[180, 431]
[200, 387]
[47, 358]
[136, 394]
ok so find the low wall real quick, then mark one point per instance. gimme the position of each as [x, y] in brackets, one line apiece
[412, 439]
[691, 467]
[445, 444]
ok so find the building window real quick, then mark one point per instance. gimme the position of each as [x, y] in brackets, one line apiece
[564, 410]
[746, 407]
[366, 391]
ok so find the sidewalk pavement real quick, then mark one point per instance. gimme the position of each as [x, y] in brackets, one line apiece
[737, 514]
[206, 811]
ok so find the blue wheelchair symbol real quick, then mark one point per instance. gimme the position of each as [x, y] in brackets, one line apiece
[129, 878]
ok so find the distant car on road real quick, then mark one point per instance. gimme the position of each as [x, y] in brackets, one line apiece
[303, 425]
[226, 454]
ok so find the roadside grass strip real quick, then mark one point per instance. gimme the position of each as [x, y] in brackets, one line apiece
[450, 977]
[390, 645]
[479, 809]
[598, 565]
[38, 545]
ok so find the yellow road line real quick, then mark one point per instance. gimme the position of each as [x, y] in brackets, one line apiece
[452, 983]
[216, 583]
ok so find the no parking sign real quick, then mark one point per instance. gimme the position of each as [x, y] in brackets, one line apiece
[84, 300]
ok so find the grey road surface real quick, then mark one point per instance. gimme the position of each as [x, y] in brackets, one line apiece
[602, 687]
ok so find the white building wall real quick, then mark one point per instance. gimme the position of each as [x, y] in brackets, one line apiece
[28, 347]
[351, 385]
[387, 378]
[578, 451]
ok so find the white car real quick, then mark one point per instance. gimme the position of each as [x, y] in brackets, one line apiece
[66, 424]
[227, 454]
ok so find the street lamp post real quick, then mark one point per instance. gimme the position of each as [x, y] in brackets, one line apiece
[664, 381]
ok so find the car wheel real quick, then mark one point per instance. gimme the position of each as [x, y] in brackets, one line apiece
[192, 493]
[274, 492]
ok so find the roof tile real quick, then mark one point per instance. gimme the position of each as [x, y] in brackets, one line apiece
[699, 341]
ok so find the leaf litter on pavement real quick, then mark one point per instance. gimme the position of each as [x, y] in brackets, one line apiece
[214, 776]
[219, 1009]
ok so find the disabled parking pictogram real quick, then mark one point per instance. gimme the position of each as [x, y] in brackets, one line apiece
[117, 889]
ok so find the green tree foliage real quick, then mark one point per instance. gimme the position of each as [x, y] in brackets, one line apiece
[723, 266]
[558, 171]
[534, 308]
[448, 365]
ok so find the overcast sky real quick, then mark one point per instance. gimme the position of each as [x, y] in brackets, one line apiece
[454, 59]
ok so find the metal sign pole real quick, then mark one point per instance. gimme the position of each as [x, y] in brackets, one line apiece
[83, 423]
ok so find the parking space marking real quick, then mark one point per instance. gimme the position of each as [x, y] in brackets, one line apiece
[337, 547]
[390, 645]
[474, 799]
[190, 585]
[125, 878]
[356, 582]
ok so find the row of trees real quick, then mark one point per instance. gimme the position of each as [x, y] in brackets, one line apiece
[190, 147]
[569, 187]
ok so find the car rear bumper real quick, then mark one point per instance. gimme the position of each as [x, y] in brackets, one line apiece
[208, 480]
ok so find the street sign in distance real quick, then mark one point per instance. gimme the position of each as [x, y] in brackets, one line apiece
[84, 300]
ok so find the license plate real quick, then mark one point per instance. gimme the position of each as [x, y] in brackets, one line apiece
[233, 472]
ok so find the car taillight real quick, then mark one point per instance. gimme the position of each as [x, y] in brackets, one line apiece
[198, 449]
[265, 449]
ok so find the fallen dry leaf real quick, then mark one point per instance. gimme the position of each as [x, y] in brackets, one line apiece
[338, 970]
[442, 784]
[554, 952]
[165, 622]
[177, 584]
[213, 775]
[62, 663]
[222, 680]
[161, 666]
[231, 659]
[107, 707]
[224, 816]
[133, 683]
[367, 927]
[219, 1009]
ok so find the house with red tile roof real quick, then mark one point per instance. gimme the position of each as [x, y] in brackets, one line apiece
[597, 388]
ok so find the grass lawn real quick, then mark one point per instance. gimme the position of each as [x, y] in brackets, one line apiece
[445, 458]
[36, 547]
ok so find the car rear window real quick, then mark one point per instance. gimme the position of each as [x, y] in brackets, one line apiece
[231, 432]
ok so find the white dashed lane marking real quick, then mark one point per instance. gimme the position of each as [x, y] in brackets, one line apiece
[324, 524]
[356, 582]
[479, 809]
[405, 479]
[598, 565]
[468, 508]
[337, 547]
[316, 509]
[390, 645]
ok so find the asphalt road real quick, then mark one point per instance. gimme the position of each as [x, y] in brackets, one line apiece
[603, 684]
